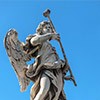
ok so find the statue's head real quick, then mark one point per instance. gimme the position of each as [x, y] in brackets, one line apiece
[44, 27]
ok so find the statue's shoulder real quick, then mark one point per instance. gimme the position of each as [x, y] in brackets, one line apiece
[30, 36]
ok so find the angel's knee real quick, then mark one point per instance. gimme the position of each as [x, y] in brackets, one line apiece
[44, 87]
[44, 84]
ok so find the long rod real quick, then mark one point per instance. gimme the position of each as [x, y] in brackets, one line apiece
[63, 52]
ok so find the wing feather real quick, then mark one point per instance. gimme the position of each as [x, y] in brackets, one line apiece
[17, 57]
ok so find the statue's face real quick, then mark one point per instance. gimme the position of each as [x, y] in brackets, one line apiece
[47, 29]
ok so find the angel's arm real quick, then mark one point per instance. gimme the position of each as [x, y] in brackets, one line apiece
[39, 39]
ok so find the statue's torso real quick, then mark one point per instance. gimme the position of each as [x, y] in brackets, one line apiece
[47, 53]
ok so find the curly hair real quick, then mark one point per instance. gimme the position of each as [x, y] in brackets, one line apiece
[40, 26]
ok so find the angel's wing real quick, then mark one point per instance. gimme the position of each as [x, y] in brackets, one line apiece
[17, 57]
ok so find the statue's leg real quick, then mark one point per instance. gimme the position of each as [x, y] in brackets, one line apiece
[44, 87]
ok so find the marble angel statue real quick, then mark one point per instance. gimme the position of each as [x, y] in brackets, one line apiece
[47, 72]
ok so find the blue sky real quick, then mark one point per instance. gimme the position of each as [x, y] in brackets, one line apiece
[77, 22]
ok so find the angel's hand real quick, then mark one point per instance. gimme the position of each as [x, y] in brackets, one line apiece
[56, 37]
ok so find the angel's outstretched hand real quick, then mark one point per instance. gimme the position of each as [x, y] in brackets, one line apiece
[56, 37]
